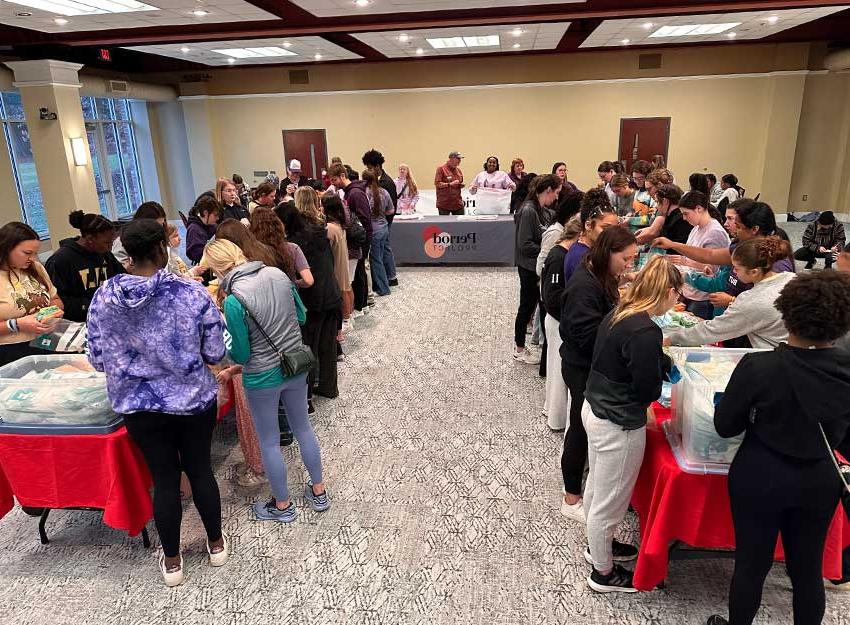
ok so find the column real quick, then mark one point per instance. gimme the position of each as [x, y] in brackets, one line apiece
[51, 88]
[196, 115]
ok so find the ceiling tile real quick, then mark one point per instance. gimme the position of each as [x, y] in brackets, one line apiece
[750, 25]
[330, 8]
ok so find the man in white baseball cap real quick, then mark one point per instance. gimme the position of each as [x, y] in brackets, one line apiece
[295, 179]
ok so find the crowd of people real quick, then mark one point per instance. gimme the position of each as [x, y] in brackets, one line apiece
[720, 256]
[275, 277]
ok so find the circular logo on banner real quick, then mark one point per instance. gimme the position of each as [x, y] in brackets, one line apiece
[435, 241]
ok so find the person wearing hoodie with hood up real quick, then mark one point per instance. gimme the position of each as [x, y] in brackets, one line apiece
[203, 220]
[263, 312]
[153, 334]
[782, 479]
[83, 263]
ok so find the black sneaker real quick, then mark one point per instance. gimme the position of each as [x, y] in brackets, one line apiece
[809, 266]
[311, 409]
[621, 552]
[618, 580]
[394, 282]
[716, 619]
[286, 438]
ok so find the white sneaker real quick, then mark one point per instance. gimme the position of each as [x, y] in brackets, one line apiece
[574, 511]
[250, 479]
[356, 314]
[172, 578]
[219, 558]
[529, 358]
[347, 326]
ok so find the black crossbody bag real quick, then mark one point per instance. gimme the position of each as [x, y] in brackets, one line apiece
[843, 474]
[293, 363]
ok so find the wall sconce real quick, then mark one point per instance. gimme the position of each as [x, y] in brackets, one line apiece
[78, 147]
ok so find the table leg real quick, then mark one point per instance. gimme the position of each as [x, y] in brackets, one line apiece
[146, 539]
[41, 531]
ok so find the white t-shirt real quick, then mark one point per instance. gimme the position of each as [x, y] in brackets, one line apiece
[710, 236]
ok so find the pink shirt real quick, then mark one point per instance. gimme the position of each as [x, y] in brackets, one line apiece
[496, 180]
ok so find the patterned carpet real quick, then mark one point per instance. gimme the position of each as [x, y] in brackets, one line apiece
[445, 485]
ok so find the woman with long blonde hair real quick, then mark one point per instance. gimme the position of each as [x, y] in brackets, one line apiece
[309, 205]
[625, 378]
[407, 190]
[227, 195]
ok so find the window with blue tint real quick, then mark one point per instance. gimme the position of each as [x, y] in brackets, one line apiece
[88, 108]
[23, 165]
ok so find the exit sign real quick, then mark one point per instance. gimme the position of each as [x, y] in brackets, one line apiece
[104, 55]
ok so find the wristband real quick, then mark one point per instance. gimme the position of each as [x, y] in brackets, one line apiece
[12, 325]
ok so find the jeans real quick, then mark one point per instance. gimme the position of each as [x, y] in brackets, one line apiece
[381, 260]
[264, 402]
[771, 494]
[615, 456]
[170, 444]
[528, 295]
[443, 211]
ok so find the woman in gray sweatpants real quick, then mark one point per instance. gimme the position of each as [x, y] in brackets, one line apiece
[625, 378]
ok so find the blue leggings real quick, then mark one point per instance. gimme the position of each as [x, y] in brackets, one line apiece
[264, 403]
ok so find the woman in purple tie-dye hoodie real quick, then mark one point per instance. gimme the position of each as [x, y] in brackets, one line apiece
[154, 334]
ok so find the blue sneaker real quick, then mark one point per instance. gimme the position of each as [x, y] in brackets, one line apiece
[319, 503]
[268, 511]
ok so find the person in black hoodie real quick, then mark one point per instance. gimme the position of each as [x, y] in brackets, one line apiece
[782, 479]
[322, 300]
[374, 162]
[625, 378]
[591, 293]
[227, 195]
[83, 263]
[203, 220]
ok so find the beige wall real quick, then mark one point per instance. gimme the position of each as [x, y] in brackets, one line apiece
[718, 125]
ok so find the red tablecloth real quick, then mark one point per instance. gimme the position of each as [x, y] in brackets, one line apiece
[95, 470]
[674, 505]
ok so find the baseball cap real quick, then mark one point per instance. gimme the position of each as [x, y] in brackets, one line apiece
[455, 154]
[294, 165]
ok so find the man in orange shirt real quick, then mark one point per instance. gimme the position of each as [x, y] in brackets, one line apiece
[449, 181]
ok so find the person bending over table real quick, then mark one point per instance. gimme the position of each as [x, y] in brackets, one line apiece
[590, 294]
[782, 480]
[25, 288]
[153, 334]
[625, 378]
[752, 313]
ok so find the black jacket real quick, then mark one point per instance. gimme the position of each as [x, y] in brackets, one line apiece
[675, 227]
[77, 273]
[388, 183]
[585, 305]
[780, 396]
[552, 282]
[236, 212]
[324, 295]
[628, 368]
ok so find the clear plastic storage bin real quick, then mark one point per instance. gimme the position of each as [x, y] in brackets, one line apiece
[57, 394]
[705, 373]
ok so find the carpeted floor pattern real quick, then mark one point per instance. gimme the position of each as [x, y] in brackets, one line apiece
[445, 485]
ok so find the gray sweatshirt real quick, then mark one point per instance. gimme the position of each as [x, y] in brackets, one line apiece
[551, 236]
[752, 313]
[529, 235]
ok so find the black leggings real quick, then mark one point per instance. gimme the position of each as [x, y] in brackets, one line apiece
[360, 284]
[771, 494]
[170, 444]
[574, 455]
[319, 333]
[528, 296]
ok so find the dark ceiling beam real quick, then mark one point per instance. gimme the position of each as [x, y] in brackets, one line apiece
[352, 44]
[575, 35]
[283, 9]
[299, 25]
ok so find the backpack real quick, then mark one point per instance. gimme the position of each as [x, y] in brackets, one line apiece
[355, 233]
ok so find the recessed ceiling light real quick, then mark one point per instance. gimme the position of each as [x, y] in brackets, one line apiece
[24, 14]
[254, 53]
[89, 7]
[515, 46]
[404, 37]
[185, 50]
[200, 12]
[287, 44]
[361, 3]
[625, 42]
[60, 21]
[732, 35]
[516, 32]
[420, 51]
[773, 19]
[694, 30]
[647, 25]
[318, 57]
[231, 61]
